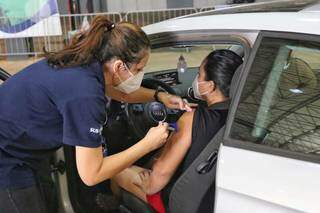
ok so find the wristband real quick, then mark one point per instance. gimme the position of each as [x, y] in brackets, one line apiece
[156, 94]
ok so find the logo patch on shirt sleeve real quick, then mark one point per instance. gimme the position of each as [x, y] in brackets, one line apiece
[95, 130]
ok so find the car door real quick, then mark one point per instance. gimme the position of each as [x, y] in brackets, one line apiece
[269, 159]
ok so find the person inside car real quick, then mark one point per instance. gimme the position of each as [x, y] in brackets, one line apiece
[61, 100]
[194, 129]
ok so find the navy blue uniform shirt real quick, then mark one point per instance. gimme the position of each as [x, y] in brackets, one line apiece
[42, 108]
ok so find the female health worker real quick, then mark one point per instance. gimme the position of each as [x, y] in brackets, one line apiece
[62, 100]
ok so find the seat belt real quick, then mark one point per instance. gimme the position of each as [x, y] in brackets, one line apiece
[191, 187]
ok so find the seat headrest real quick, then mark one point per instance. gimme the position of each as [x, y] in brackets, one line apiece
[234, 81]
[238, 50]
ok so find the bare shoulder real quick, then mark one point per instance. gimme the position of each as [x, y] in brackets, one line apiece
[185, 121]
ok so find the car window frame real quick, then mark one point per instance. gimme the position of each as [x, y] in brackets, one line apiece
[200, 37]
[235, 143]
[203, 37]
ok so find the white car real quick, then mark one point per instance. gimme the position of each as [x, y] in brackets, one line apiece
[267, 157]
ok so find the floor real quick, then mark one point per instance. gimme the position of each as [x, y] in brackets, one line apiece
[15, 64]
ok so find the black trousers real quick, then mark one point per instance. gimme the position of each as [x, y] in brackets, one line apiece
[39, 198]
[25, 200]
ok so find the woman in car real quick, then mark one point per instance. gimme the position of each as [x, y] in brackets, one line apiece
[62, 100]
[195, 129]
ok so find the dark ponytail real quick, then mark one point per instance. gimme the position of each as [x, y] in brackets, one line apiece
[103, 41]
[220, 66]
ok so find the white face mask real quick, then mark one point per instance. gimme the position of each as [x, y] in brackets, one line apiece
[195, 87]
[131, 84]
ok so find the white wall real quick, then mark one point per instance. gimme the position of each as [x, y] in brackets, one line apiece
[203, 3]
[151, 4]
[133, 5]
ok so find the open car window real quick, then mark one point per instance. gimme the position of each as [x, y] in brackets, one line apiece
[167, 58]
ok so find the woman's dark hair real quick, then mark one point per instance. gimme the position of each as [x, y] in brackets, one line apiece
[220, 65]
[103, 41]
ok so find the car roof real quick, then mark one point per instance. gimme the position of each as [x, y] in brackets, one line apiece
[268, 6]
[303, 21]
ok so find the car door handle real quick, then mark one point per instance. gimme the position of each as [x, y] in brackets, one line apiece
[207, 165]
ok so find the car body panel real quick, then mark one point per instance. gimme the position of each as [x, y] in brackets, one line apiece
[265, 183]
[298, 22]
[258, 178]
[264, 6]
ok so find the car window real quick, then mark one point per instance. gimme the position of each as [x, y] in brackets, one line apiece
[280, 102]
[167, 58]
